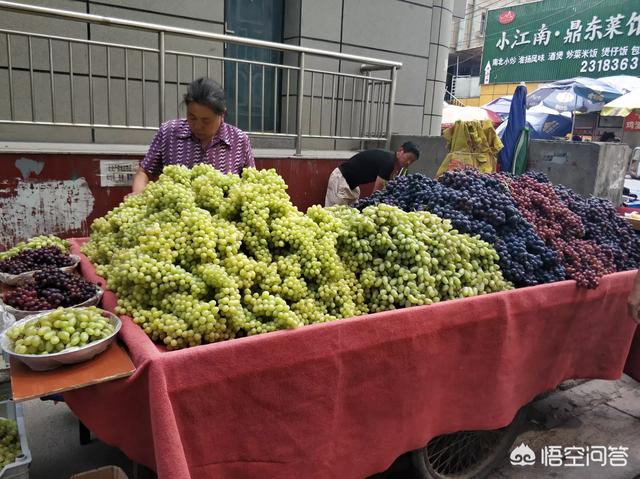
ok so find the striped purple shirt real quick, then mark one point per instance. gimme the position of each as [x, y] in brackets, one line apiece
[174, 144]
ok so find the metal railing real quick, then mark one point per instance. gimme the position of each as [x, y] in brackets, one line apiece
[452, 99]
[76, 82]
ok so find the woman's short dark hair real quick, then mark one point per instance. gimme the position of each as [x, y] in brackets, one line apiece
[207, 92]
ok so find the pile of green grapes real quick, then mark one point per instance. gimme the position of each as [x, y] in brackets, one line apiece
[406, 259]
[36, 243]
[9, 442]
[62, 329]
[200, 257]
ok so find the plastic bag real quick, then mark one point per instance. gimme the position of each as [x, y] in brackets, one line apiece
[6, 319]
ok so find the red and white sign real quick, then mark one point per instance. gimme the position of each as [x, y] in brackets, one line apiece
[632, 122]
[507, 17]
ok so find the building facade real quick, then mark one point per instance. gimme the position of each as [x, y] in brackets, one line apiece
[415, 33]
[467, 40]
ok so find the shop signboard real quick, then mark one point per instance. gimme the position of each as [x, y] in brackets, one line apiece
[556, 39]
[632, 122]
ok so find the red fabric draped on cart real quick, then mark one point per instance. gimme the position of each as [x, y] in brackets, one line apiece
[344, 399]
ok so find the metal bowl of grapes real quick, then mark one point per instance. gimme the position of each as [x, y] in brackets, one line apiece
[64, 336]
[47, 290]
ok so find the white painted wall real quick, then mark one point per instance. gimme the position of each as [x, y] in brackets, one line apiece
[47, 207]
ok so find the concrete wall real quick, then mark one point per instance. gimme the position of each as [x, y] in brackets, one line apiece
[588, 168]
[194, 14]
[415, 33]
[433, 149]
[631, 138]
[441, 22]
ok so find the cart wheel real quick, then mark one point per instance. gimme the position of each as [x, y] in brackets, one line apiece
[467, 454]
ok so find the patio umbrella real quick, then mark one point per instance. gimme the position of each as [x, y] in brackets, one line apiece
[624, 105]
[548, 111]
[548, 126]
[544, 126]
[453, 113]
[517, 117]
[624, 83]
[500, 106]
[578, 94]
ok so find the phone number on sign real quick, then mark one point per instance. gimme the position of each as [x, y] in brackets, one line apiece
[608, 64]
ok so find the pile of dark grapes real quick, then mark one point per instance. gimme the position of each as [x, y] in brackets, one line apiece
[583, 259]
[603, 226]
[35, 259]
[49, 289]
[481, 205]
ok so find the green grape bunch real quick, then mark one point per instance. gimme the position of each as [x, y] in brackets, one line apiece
[59, 330]
[407, 259]
[200, 257]
[9, 442]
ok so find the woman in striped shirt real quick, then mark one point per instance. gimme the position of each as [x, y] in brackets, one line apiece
[203, 137]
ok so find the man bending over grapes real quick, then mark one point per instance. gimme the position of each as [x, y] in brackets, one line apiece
[366, 167]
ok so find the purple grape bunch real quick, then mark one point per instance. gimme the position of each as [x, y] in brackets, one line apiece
[583, 259]
[50, 289]
[35, 259]
[602, 225]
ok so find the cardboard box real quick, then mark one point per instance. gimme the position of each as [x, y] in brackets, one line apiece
[107, 472]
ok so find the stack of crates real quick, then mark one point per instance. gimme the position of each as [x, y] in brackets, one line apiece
[19, 469]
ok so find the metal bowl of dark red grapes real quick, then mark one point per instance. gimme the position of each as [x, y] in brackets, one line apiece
[63, 336]
[20, 268]
[47, 290]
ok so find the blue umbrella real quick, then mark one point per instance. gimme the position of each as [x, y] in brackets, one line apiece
[501, 106]
[544, 126]
[562, 100]
[512, 131]
[579, 94]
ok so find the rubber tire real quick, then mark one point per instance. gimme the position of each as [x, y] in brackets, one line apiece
[481, 470]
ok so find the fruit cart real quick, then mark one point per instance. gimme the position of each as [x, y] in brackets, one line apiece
[345, 398]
